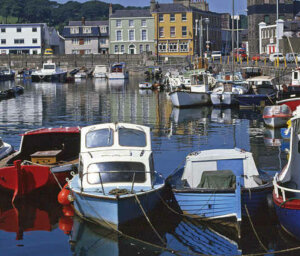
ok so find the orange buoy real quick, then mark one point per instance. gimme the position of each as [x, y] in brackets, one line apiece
[63, 196]
[66, 224]
[68, 210]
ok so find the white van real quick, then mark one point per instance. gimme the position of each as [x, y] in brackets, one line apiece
[275, 56]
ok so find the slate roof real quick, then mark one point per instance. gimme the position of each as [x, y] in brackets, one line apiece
[131, 13]
[169, 8]
[94, 33]
[88, 22]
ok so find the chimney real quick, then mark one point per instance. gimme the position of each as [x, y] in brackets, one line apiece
[83, 21]
[110, 9]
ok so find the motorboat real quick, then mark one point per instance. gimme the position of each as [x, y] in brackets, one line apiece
[286, 194]
[116, 178]
[277, 115]
[218, 183]
[100, 71]
[198, 94]
[118, 71]
[45, 158]
[50, 73]
[145, 85]
[81, 74]
[5, 149]
[292, 90]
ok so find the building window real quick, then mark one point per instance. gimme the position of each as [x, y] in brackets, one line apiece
[75, 52]
[184, 32]
[3, 30]
[281, 17]
[183, 17]
[119, 35]
[102, 41]
[161, 31]
[116, 48]
[88, 51]
[34, 52]
[161, 17]
[131, 35]
[141, 48]
[122, 48]
[173, 47]
[74, 30]
[87, 30]
[3, 41]
[267, 19]
[183, 47]
[34, 40]
[162, 47]
[19, 41]
[19, 30]
[118, 23]
[172, 31]
[281, 1]
[75, 41]
[147, 48]
[34, 29]
[87, 41]
[266, 1]
[172, 17]
[144, 24]
[131, 23]
[144, 35]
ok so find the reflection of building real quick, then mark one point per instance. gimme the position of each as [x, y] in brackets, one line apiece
[132, 31]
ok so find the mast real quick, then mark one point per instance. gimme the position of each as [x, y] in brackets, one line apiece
[232, 40]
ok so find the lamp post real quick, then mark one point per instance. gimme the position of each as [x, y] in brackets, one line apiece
[206, 20]
[200, 30]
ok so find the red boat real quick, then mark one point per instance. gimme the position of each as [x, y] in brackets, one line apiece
[46, 157]
[291, 102]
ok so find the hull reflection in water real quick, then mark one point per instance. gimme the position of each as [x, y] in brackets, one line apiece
[188, 114]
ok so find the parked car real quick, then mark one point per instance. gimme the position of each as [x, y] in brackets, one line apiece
[241, 53]
[275, 56]
[216, 55]
[290, 57]
[255, 57]
[264, 57]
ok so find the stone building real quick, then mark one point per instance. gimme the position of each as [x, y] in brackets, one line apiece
[265, 11]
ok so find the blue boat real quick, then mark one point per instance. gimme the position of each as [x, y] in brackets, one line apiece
[286, 195]
[116, 182]
[217, 184]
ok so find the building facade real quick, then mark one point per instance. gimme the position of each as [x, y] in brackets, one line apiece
[265, 11]
[132, 32]
[180, 28]
[86, 37]
[28, 38]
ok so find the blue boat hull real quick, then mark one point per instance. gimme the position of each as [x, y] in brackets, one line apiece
[253, 99]
[111, 211]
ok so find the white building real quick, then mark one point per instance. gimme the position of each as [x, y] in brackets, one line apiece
[28, 39]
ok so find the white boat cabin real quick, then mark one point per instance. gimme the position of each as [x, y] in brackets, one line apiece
[262, 84]
[296, 77]
[115, 155]
[210, 164]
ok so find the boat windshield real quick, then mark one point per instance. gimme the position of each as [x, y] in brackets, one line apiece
[116, 172]
[132, 137]
[99, 138]
[49, 67]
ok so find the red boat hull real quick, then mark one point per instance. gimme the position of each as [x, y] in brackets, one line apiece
[292, 103]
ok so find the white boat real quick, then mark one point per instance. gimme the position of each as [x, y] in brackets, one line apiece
[50, 73]
[100, 71]
[5, 149]
[276, 116]
[198, 94]
[116, 174]
[145, 85]
[118, 71]
[81, 74]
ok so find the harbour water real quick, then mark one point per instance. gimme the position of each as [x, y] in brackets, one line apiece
[37, 226]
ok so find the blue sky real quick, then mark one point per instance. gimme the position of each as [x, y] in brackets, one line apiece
[214, 5]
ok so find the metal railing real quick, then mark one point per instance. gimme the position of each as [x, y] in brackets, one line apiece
[281, 189]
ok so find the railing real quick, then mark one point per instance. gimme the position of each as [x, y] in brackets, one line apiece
[101, 181]
[283, 190]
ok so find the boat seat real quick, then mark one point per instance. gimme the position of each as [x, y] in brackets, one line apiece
[223, 179]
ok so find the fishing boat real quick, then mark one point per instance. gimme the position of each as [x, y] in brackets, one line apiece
[100, 71]
[5, 149]
[198, 94]
[291, 90]
[118, 71]
[286, 194]
[46, 157]
[145, 85]
[277, 115]
[81, 74]
[116, 182]
[49, 73]
[291, 102]
[216, 184]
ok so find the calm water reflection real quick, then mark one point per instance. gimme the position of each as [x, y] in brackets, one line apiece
[175, 133]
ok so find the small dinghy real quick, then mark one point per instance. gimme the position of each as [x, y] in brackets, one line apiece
[277, 115]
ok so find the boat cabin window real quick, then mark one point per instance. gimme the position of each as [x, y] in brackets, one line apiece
[295, 75]
[132, 137]
[99, 138]
[49, 67]
[116, 172]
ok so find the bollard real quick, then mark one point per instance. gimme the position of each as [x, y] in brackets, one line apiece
[265, 61]
[256, 62]
[247, 60]
[221, 60]
[284, 61]
[296, 60]
[228, 60]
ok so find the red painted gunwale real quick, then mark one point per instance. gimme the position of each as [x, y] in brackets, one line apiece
[293, 204]
[53, 130]
[292, 103]
[278, 116]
